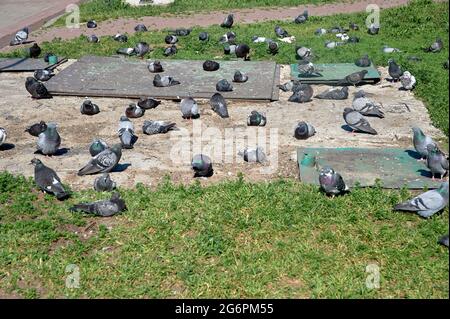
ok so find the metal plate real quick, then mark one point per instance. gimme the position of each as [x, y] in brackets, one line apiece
[394, 167]
[334, 72]
[130, 78]
[24, 64]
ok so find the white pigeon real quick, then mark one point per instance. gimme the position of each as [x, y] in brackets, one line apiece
[387, 49]
[257, 39]
[2, 135]
[343, 36]
[290, 39]
[408, 80]
[333, 44]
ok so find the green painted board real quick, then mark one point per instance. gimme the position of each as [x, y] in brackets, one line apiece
[24, 64]
[334, 72]
[394, 167]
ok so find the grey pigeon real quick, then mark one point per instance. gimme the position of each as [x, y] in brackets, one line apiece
[428, 203]
[228, 21]
[47, 180]
[240, 77]
[141, 49]
[304, 130]
[104, 183]
[357, 122]
[364, 61]
[354, 78]
[437, 162]
[280, 32]
[155, 67]
[3, 136]
[36, 89]
[91, 24]
[320, 31]
[35, 51]
[387, 49]
[253, 155]
[273, 47]
[303, 53]
[331, 182]
[443, 240]
[171, 50]
[36, 128]
[202, 166]
[338, 29]
[148, 103]
[307, 68]
[288, 86]
[89, 108]
[120, 37]
[366, 106]
[203, 36]
[436, 46]
[140, 28]
[181, 32]
[421, 142]
[334, 94]
[125, 51]
[446, 64]
[20, 37]
[43, 74]
[258, 39]
[103, 208]
[103, 162]
[93, 39]
[353, 26]
[353, 39]
[256, 119]
[219, 105]
[333, 44]
[97, 146]
[302, 93]
[224, 86]
[229, 37]
[171, 39]
[373, 29]
[302, 17]
[209, 65]
[394, 70]
[164, 81]
[157, 127]
[243, 51]
[49, 140]
[126, 133]
[134, 111]
[189, 108]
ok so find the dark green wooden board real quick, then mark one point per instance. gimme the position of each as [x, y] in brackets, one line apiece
[332, 73]
[394, 167]
[24, 64]
[130, 78]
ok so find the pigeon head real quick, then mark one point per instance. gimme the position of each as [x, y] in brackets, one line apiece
[347, 110]
[345, 89]
[443, 189]
[36, 162]
[417, 131]
[327, 171]
[360, 94]
[407, 74]
[123, 118]
[432, 148]
[390, 61]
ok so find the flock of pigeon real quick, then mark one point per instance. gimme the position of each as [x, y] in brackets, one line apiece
[105, 157]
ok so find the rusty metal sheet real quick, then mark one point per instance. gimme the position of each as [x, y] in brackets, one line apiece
[130, 78]
[24, 64]
[394, 167]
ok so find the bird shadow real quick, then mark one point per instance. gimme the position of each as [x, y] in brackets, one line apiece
[347, 128]
[59, 152]
[425, 173]
[7, 147]
[120, 168]
[413, 154]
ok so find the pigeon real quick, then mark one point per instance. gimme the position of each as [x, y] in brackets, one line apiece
[89, 108]
[421, 142]
[353, 26]
[306, 68]
[228, 21]
[3, 135]
[366, 106]
[338, 29]
[357, 122]
[157, 127]
[354, 78]
[103, 162]
[302, 93]
[36, 128]
[47, 56]
[436, 46]
[256, 119]
[428, 203]
[97, 146]
[363, 62]
[209, 65]
[148, 103]
[408, 80]
[272, 47]
[280, 32]
[202, 166]
[140, 28]
[240, 77]
[47, 180]
[181, 32]
[134, 111]
[125, 51]
[343, 36]
[387, 49]
[103, 208]
[243, 51]
[141, 49]
[257, 39]
[93, 39]
[394, 70]
[120, 37]
[303, 53]
[224, 86]
[288, 86]
[304, 130]
[171, 39]
[170, 50]
[91, 24]
[333, 44]
[203, 36]
[104, 183]
[219, 105]
[36, 89]
[229, 37]
[302, 17]
[49, 140]
[414, 58]
[164, 81]
[353, 39]
[446, 64]
[253, 155]
[126, 133]
[373, 29]
[320, 31]
[437, 162]
[331, 182]
[334, 94]
[189, 108]
[229, 49]
[43, 74]
[443, 240]
[155, 67]
[20, 37]
[35, 51]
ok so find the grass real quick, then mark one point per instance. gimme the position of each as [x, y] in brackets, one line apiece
[234, 239]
